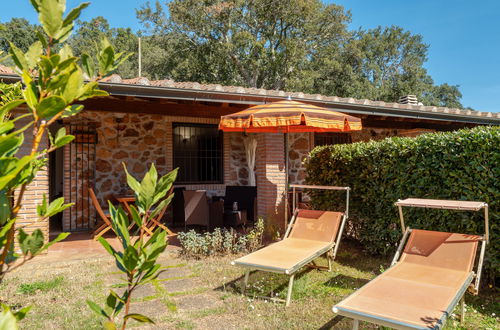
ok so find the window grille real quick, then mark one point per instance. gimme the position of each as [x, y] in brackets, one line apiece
[198, 153]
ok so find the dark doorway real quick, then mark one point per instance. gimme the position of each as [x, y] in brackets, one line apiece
[56, 181]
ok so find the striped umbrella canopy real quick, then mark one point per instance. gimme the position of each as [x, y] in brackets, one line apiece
[288, 116]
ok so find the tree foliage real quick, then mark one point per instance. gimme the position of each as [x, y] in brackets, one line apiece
[299, 45]
[294, 45]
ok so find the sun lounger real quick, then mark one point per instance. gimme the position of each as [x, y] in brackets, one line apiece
[310, 235]
[427, 278]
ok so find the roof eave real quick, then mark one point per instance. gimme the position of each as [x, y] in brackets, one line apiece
[201, 95]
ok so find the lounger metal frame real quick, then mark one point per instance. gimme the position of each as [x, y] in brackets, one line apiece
[459, 297]
[331, 248]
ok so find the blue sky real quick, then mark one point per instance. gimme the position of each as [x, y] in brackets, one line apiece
[464, 35]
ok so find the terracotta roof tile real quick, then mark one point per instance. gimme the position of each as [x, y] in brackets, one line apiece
[6, 70]
[299, 95]
[114, 78]
[137, 81]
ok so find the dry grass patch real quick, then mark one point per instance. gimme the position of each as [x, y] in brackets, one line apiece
[210, 296]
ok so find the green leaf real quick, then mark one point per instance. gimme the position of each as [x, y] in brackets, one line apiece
[107, 246]
[30, 244]
[41, 209]
[6, 127]
[109, 325]
[42, 39]
[130, 258]
[88, 66]
[8, 320]
[98, 310]
[30, 92]
[75, 13]
[163, 204]
[21, 314]
[33, 54]
[60, 237]
[132, 182]
[111, 301]
[6, 108]
[139, 317]
[61, 138]
[56, 206]
[66, 53]
[50, 16]
[5, 210]
[18, 57]
[50, 106]
[72, 88]
[5, 180]
[136, 216]
[4, 231]
[72, 110]
[106, 60]
[90, 90]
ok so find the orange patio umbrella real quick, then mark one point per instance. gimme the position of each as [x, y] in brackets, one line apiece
[288, 116]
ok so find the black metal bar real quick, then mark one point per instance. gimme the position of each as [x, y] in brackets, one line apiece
[82, 176]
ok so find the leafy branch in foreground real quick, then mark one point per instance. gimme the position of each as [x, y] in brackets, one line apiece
[136, 258]
[53, 82]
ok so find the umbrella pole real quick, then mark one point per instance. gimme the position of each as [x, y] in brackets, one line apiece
[286, 179]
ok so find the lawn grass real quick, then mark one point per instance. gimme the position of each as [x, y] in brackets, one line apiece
[207, 294]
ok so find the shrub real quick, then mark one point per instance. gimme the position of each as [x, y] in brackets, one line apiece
[462, 165]
[221, 241]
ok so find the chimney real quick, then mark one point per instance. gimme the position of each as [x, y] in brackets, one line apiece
[408, 99]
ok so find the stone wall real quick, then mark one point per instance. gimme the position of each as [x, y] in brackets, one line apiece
[136, 139]
[237, 166]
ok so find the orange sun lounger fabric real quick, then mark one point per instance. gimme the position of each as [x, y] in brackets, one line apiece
[421, 289]
[313, 234]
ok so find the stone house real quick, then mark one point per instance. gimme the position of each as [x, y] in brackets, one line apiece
[174, 124]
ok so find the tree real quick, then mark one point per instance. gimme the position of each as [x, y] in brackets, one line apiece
[261, 43]
[52, 87]
[20, 32]
[297, 45]
[122, 39]
[382, 64]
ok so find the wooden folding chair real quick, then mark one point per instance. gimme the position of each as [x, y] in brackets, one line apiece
[153, 223]
[106, 225]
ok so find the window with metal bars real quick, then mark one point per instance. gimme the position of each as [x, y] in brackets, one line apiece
[197, 153]
[321, 139]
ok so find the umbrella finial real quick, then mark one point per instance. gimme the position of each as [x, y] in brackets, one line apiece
[289, 98]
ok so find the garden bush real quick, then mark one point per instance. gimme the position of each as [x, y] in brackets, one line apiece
[462, 165]
[221, 241]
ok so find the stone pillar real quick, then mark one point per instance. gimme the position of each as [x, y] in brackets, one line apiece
[270, 177]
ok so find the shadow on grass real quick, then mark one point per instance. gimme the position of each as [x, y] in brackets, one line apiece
[351, 254]
[487, 302]
[346, 282]
[270, 279]
[332, 324]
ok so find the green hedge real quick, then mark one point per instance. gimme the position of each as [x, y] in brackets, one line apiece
[463, 165]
